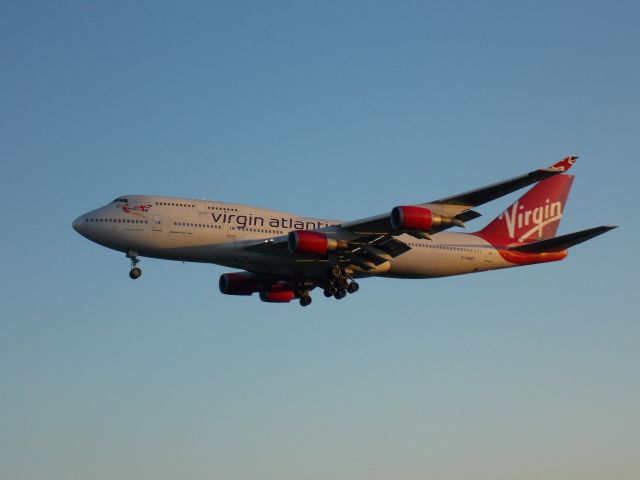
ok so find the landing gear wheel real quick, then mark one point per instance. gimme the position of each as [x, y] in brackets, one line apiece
[340, 294]
[330, 291]
[135, 272]
[305, 300]
[342, 282]
[353, 287]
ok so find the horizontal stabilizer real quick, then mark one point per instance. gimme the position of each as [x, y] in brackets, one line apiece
[563, 242]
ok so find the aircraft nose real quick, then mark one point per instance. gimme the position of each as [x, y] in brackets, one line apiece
[78, 225]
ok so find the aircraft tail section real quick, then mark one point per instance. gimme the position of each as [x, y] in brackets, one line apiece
[535, 216]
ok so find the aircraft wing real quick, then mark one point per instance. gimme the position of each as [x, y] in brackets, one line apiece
[370, 242]
[460, 206]
[366, 251]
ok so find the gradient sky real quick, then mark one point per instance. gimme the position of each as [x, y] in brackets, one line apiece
[331, 109]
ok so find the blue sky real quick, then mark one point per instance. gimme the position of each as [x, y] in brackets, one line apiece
[331, 109]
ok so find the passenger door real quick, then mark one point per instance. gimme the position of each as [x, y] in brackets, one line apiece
[157, 223]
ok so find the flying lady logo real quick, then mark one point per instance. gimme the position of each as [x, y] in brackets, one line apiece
[564, 164]
[136, 209]
[539, 217]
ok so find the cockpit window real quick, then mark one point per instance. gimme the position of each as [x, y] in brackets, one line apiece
[120, 200]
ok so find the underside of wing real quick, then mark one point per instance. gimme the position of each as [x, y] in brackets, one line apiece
[366, 252]
[369, 253]
[271, 246]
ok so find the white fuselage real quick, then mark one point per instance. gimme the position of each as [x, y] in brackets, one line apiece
[216, 232]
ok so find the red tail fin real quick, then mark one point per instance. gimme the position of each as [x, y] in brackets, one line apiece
[534, 216]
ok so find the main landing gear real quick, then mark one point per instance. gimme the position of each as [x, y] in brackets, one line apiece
[135, 272]
[305, 299]
[340, 283]
[302, 293]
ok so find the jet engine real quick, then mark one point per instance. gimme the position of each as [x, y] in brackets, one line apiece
[280, 292]
[304, 241]
[238, 283]
[419, 218]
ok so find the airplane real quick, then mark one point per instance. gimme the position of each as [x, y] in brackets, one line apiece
[283, 257]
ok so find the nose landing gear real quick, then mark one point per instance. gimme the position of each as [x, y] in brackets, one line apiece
[135, 272]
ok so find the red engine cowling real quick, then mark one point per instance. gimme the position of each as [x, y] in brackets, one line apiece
[280, 292]
[304, 241]
[411, 218]
[238, 283]
[418, 218]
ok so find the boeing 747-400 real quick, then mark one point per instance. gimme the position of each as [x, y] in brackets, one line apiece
[284, 256]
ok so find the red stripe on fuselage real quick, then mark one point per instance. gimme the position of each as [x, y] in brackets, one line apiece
[521, 258]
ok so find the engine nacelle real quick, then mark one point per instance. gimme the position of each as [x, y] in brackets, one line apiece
[419, 218]
[280, 292]
[304, 241]
[238, 283]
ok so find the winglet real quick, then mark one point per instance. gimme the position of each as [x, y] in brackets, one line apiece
[564, 165]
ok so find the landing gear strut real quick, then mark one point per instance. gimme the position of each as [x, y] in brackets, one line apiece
[301, 291]
[135, 272]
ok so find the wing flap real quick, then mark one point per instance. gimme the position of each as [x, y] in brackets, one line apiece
[378, 250]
